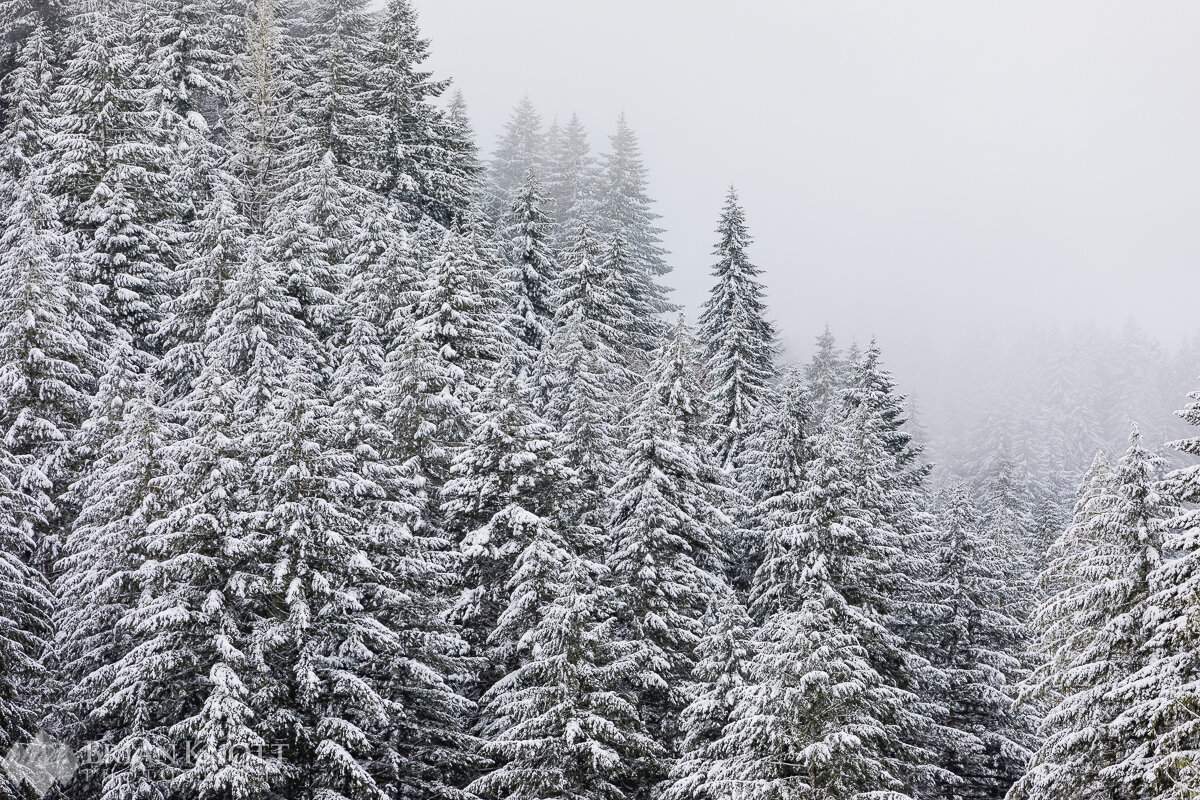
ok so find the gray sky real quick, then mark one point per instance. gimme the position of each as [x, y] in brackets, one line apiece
[929, 172]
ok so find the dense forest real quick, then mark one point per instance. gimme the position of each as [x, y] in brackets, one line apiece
[342, 461]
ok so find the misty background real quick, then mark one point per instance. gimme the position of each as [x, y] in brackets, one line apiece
[974, 184]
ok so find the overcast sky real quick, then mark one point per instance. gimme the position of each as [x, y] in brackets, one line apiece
[928, 172]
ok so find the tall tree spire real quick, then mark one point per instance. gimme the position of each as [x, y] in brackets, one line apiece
[739, 342]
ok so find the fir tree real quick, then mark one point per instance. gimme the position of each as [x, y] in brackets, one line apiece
[113, 168]
[624, 208]
[423, 162]
[47, 352]
[721, 675]
[99, 586]
[979, 640]
[521, 148]
[527, 232]
[773, 481]
[560, 726]
[459, 312]
[570, 179]
[825, 374]
[26, 603]
[666, 561]
[505, 483]
[738, 341]
[1094, 743]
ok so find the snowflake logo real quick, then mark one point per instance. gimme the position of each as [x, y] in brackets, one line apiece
[40, 763]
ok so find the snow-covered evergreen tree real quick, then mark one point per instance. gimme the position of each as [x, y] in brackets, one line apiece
[99, 586]
[624, 207]
[570, 179]
[460, 313]
[826, 375]
[112, 167]
[506, 482]
[979, 640]
[422, 162]
[48, 349]
[559, 726]
[521, 148]
[816, 719]
[739, 342]
[773, 481]
[582, 375]
[26, 603]
[666, 560]
[1156, 734]
[527, 233]
[1094, 743]
[723, 657]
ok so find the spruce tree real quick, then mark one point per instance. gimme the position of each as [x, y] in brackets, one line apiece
[772, 482]
[666, 561]
[1159, 697]
[98, 588]
[816, 719]
[582, 375]
[527, 233]
[26, 604]
[624, 207]
[560, 726]
[505, 483]
[824, 596]
[113, 160]
[739, 342]
[571, 177]
[979, 640]
[721, 674]
[826, 375]
[1094, 742]
[521, 148]
[47, 354]
[420, 152]
[460, 313]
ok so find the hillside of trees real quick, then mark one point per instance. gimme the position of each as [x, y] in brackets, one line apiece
[340, 460]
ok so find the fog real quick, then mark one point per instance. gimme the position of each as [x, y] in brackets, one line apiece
[932, 173]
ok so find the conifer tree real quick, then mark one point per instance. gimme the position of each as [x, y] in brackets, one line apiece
[624, 207]
[47, 354]
[739, 342]
[582, 375]
[826, 375]
[459, 312]
[823, 594]
[506, 482]
[263, 88]
[1094, 742]
[1159, 697]
[979, 640]
[113, 160]
[422, 163]
[521, 148]
[99, 586]
[677, 374]
[817, 719]
[527, 232]
[26, 604]
[212, 250]
[570, 179]
[666, 560]
[561, 727]
[772, 482]
[419, 414]
[721, 674]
